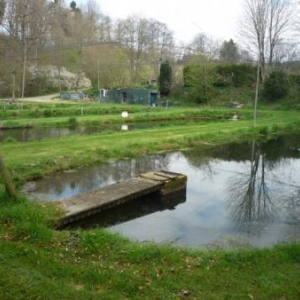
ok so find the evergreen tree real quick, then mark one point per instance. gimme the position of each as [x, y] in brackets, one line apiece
[165, 78]
[73, 5]
[229, 52]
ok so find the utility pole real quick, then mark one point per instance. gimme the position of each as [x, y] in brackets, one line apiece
[98, 75]
[256, 91]
[24, 66]
[13, 74]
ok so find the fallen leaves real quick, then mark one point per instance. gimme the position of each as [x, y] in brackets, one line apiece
[5, 237]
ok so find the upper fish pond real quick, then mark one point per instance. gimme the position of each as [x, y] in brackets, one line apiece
[238, 194]
[25, 135]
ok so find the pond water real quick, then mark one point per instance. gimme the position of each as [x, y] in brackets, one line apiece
[24, 135]
[29, 134]
[240, 194]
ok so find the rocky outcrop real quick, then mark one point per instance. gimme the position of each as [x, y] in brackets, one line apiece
[54, 79]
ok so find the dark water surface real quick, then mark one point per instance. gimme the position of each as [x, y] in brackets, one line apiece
[25, 135]
[238, 194]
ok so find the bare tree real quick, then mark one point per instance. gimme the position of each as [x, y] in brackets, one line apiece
[147, 41]
[204, 46]
[160, 44]
[265, 24]
[131, 33]
[59, 29]
[97, 25]
[106, 65]
[25, 23]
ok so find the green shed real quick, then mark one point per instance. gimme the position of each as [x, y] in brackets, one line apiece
[134, 96]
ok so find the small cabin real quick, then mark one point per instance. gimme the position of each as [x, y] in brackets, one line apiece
[72, 95]
[134, 96]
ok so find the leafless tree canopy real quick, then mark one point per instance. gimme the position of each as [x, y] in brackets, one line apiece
[265, 24]
[41, 32]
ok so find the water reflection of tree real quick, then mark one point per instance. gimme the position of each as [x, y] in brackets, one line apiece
[250, 198]
[200, 161]
[291, 204]
[125, 169]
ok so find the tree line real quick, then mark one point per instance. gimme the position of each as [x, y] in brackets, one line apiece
[130, 51]
[114, 53]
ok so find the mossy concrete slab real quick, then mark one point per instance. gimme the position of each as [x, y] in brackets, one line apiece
[84, 205]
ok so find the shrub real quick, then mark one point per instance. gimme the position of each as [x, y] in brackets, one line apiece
[199, 81]
[263, 130]
[47, 113]
[73, 122]
[9, 140]
[92, 92]
[276, 86]
[237, 75]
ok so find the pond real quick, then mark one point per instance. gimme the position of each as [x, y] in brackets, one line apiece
[239, 194]
[25, 135]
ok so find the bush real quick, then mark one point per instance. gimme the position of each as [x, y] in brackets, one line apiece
[92, 92]
[237, 75]
[276, 86]
[199, 81]
[47, 113]
[73, 122]
[9, 140]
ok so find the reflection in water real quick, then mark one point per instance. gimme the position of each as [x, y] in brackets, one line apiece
[36, 134]
[292, 204]
[86, 179]
[132, 210]
[247, 193]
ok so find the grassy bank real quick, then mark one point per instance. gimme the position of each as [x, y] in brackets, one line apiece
[113, 116]
[38, 262]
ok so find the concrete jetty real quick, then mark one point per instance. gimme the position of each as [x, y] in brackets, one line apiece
[162, 183]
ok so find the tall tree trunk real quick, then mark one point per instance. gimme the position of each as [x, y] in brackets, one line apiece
[24, 67]
[6, 179]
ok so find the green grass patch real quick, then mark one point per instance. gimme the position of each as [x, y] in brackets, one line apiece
[38, 262]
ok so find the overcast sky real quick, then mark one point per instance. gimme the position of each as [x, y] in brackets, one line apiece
[186, 18]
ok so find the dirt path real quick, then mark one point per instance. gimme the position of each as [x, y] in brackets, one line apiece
[47, 98]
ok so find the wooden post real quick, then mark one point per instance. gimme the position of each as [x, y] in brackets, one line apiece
[6, 180]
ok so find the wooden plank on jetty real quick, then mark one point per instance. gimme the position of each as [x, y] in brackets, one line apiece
[84, 205]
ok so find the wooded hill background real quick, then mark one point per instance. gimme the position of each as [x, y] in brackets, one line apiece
[38, 35]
